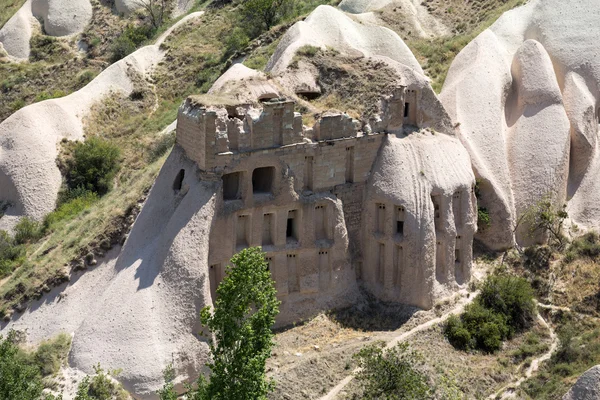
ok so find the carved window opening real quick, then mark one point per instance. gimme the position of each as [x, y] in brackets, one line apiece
[400, 220]
[262, 180]
[406, 109]
[242, 228]
[291, 232]
[231, 186]
[178, 182]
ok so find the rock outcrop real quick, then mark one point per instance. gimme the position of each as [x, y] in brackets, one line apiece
[525, 94]
[587, 386]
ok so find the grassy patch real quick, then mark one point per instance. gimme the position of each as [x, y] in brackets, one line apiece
[71, 237]
[466, 20]
[8, 8]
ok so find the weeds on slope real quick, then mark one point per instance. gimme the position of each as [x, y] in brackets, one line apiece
[466, 20]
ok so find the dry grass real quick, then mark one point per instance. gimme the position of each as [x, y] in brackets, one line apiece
[50, 257]
[8, 8]
[466, 19]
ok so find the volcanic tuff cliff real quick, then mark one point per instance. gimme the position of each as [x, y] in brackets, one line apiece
[386, 201]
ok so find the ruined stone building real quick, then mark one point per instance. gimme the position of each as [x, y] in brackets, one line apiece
[336, 204]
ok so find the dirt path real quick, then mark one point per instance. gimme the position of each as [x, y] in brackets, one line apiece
[508, 391]
[402, 337]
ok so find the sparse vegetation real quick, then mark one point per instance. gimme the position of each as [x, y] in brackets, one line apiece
[101, 387]
[504, 306]
[21, 372]
[391, 374]
[8, 8]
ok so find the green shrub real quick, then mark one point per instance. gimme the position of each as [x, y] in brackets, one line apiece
[11, 254]
[27, 231]
[504, 306]
[18, 379]
[391, 374]
[510, 296]
[586, 246]
[236, 41]
[51, 354]
[100, 387]
[308, 51]
[457, 334]
[94, 166]
[260, 15]
[131, 38]
[484, 221]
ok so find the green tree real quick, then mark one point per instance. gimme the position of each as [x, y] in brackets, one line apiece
[391, 374]
[18, 378]
[261, 15]
[244, 313]
[95, 165]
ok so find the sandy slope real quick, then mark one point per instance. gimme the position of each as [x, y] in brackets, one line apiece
[29, 177]
[138, 310]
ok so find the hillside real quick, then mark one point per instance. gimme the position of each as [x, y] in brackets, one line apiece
[472, 123]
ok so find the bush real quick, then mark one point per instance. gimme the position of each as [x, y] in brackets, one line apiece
[238, 40]
[587, 246]
[94, 166]
[510, 296]
[100, 387]
[51, 354]
[131, 38]
[27, 231]
[10, 254]
[391, 374]
[504, 306]
[18, 379]
[457, 334]
[484, 221]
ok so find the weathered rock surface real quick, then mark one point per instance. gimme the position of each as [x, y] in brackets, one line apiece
[587, 386]
[15, 34]
[525, 93]
[62, 17]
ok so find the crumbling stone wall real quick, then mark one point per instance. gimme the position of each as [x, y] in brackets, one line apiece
[306, 196]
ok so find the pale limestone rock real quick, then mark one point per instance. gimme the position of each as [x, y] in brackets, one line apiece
[587, 386]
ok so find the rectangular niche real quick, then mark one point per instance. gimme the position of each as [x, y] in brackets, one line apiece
[262, 180]
[380, 218]
[292, 268]
[380, 262]
[267, 231]
[324, 270]
[269, 261]
[321, 223]
[456, 209]
[437, 212]
[232, 186]
[400, 215]
[242, 229]
[292, 228]
[398, 265]
[308, 172]
[350, 164]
